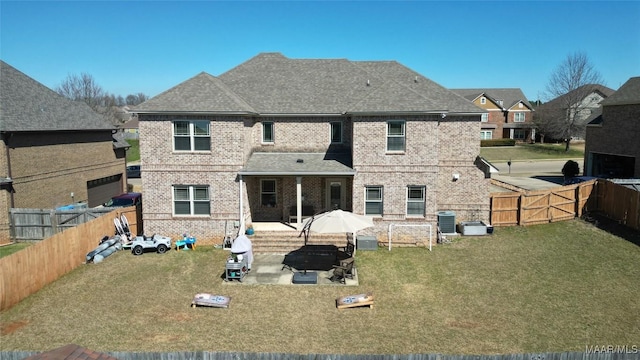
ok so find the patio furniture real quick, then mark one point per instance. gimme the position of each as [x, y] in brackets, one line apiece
[343, 271]
[186, 243]
[235, 268]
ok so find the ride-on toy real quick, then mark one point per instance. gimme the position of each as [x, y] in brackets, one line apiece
[141, 244]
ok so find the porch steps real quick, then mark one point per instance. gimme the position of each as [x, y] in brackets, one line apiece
[282, 242]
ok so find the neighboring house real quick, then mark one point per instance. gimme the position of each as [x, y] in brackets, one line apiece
[54, 151]
[612, 148]
[277, 139]
[579, 105]
[509, 114]
[130, 128]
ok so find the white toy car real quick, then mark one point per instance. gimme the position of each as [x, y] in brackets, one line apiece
[158, 243]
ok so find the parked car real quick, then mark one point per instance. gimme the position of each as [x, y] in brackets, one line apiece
[124, 200]
[133, 171]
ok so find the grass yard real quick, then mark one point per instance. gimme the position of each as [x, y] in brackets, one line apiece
[545, 288]
[6, 250]
[532, 152]
[133, 154]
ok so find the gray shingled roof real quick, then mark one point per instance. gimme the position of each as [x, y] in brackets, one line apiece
[628, 94]
[509, 96]
[581, 93]
[270, 83]
[27, 105]
[274, 163]
[202, 93]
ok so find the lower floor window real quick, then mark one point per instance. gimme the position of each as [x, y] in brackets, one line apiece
[486, 135]
[415, 200]
[519, 134]
[373, 200]
[191, 200]
[268, 193]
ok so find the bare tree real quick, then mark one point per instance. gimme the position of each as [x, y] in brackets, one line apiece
[135, 99]
[82, 88]
[568, 86]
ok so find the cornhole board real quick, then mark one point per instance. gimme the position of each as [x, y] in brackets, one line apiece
[210, 300]
[355, 301]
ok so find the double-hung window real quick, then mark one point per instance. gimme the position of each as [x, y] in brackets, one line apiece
[190, 200]
[373, 200]
[267, 132]
[485, 117]
[336, 132]
[518, 117]
[415, 200]
[486, 134]
[268, 195]
[396, 136]
[194, 135]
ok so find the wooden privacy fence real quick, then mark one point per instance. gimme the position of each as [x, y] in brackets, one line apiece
[38, 224]
[541, 206]
[617, 202]
[28, 270]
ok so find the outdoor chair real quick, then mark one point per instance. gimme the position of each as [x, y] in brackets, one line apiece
[345, 252]
[343, 271]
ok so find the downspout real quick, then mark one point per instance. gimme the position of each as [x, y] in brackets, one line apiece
[5, 138]
[241, 228]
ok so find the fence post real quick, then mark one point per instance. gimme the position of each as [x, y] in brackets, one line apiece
[54, 223]
[519, 214]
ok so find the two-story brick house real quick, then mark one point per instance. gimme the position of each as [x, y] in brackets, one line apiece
[509, 114]
[612, 148]
[54, 151]
[275, 139]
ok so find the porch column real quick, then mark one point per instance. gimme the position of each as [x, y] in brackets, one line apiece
[533, 134]
[241, 228]
[510, 133]
[298, 201]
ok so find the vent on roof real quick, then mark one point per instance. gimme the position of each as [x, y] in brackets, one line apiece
[415, 80]
[300, 161]
[368, 82]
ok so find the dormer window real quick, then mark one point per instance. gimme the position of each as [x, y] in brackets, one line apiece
[483, 100]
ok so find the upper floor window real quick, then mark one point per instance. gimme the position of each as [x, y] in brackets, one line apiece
[396, 136]
[483, 100]
[336, 132]
[268, 193]
[373, 200]
[485, 117]
[518, 117]
[415, 200]
[191, 200]
[267, 132]
[486, 135]
[191, 135]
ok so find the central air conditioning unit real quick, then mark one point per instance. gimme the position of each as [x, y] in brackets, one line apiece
[447, 222]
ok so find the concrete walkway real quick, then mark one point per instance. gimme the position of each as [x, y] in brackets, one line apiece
[271, 269]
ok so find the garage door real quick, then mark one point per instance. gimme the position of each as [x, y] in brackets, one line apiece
[101, 190]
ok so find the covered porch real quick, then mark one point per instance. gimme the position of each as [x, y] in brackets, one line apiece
[283, 189]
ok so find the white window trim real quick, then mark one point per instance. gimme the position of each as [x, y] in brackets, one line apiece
[192, 135]
[483, 100]
[273, 132]
[524, 116]
[423, 201]
[275, 190]
[331, 132]
[380, 201]
[191, 200]
[484, 117]
[404, 136]
[483, 132]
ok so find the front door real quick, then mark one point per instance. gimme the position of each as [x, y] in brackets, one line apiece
[336, 196]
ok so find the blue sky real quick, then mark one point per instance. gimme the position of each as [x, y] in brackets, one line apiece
[151, 46]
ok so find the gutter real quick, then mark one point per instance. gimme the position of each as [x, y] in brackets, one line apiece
[290, 173]
[5, 137]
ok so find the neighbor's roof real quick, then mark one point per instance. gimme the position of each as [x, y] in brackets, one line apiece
[27, 105]
[508, 96]
[579, 94]
[274, 163]
[271, 83]
[628, 94]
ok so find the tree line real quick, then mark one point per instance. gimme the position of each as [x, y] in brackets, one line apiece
[83, 87]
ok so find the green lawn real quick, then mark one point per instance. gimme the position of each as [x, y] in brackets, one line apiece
[532, 152]
[133, 154]
[7, 250]
[546, 288]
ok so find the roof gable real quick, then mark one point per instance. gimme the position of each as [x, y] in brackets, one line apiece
[578, 95]
[202, 93]
[27, 105]
[628, 94]
[505, 98]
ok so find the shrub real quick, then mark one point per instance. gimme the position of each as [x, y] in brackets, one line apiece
[497, 142]
[570, 169]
